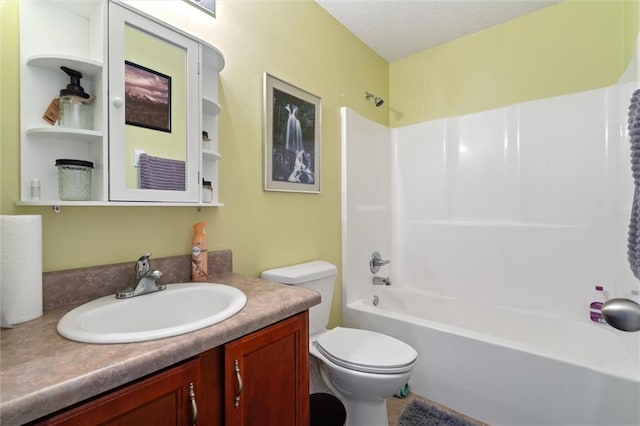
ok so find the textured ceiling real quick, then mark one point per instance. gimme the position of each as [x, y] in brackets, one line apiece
[398, 28]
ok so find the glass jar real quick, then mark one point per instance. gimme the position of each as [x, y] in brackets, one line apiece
[75, 113]
[74, 179]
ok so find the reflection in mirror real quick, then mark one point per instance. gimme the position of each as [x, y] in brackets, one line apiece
[155, 112]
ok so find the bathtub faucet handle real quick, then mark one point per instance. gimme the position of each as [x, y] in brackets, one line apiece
[381, 281]
[376, 261]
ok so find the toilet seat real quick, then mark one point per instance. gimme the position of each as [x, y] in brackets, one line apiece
[366, 351]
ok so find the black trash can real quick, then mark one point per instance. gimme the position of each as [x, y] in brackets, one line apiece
[326, 410]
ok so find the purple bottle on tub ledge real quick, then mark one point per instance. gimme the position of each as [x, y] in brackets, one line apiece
[595, 309]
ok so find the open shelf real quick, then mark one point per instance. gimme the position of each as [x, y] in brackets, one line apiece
[77, 135]
[54, 203]
[209, 106]
[210, 155]
[87, 67]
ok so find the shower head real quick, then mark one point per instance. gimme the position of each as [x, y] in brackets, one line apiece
[377, 100]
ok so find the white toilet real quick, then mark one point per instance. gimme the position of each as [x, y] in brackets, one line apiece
[360, 367]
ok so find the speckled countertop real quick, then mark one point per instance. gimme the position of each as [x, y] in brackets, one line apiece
[42, 372]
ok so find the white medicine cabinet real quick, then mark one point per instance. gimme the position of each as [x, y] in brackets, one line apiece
[153, 139]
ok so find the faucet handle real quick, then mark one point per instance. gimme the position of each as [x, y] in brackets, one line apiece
[142, 265]
[376, 261]
[144, 257]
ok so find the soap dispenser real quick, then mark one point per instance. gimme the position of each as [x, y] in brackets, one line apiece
[76, 109]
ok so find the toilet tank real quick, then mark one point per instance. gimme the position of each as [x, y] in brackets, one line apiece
[318, 275]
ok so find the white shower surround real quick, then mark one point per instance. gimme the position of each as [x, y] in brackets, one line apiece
[524, 206]
[519, 208]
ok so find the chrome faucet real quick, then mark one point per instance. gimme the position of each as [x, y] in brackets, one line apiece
[376, 261]
[381, 281]
[145, 280]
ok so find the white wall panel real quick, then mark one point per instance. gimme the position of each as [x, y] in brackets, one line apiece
[562, 153]
[366, 200]
[478, 146]
[518, 210]
[525, 206]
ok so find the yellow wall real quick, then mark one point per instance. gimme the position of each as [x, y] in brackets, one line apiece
[570, 47]
[295, 41]
[631, 28]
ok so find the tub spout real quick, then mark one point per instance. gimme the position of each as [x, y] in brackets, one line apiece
[381, 281]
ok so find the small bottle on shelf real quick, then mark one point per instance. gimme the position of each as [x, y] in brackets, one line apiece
[35, 189]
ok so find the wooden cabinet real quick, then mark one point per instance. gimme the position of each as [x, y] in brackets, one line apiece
[211, 411]
[168, 398]
[259, 379]
[267, 376]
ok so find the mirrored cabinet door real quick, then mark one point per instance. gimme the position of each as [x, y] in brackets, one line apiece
[154, 110]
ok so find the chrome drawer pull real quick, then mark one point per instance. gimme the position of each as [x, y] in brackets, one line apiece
[194, 406]
[236, 368]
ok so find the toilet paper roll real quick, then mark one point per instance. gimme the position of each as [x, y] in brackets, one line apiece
[20, 268]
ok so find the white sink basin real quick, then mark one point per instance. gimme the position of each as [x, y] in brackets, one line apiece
[179, 309]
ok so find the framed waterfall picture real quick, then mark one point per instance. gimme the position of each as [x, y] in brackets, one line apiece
[207, 6]
[292, 138]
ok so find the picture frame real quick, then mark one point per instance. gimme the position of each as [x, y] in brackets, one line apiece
[292, 137]
[207, 6]
[147, 97]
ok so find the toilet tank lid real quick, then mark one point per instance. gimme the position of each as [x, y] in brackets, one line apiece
[300, 273]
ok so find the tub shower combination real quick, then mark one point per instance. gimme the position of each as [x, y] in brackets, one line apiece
[510, 367]
[498, 225]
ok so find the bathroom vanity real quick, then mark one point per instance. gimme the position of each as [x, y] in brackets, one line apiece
[47, 379]
[234, 384]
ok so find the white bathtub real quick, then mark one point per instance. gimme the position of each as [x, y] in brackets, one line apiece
[508, 367]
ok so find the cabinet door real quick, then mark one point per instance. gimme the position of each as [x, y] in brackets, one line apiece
[168, 398]
[154, 111]
[267, 375]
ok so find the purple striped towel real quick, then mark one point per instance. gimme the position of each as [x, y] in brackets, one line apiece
[161, 173]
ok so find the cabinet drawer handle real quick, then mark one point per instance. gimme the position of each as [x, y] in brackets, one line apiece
[194, 406]
[236, 368]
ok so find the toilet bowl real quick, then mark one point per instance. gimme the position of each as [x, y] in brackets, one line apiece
[360, 367]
